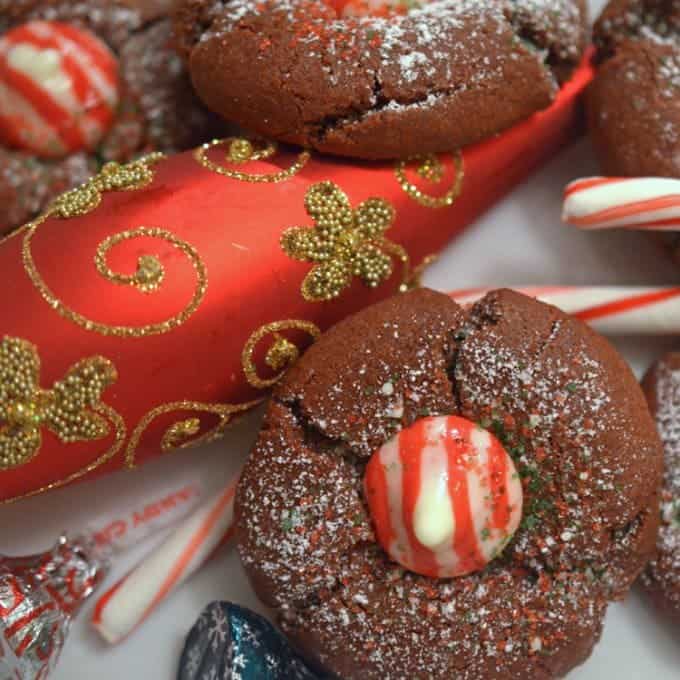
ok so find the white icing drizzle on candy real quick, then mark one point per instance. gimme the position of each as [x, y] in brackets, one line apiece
[453, 496]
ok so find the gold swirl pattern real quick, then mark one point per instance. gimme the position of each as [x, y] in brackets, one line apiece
[148, 277]
[344, 242]
[112, 177]
[176, 436]
[241, 151]
[281, 354]
[431, 170]
[179, 432]
[150, 272]
[67, 409]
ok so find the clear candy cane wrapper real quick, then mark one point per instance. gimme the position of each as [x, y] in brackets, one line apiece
[132, 526]
[39, 596]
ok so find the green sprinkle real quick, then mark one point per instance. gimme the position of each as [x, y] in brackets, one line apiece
[572, 387]
[530, 522]
[290, 522]
[486, 533]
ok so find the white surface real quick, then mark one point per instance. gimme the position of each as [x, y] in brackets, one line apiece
[521, 241]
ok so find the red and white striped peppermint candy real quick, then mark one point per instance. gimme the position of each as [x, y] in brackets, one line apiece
[630, 202]
[444, 496]
[58, 88]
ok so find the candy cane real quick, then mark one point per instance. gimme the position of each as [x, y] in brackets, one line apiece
[613, 310]
[129, 602]
[131, 526]
[635, 203]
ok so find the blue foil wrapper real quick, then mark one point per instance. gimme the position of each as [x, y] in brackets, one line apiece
[229, 642]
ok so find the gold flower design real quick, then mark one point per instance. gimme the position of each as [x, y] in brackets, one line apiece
[344, 242]
[112, 177]
[68, 409]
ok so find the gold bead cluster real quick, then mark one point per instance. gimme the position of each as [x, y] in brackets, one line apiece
[69, 414]
[281, 354]
[149, 274]
[344, 242]
[113, 177]
[66, 409]
[431, 169]
[240, 150]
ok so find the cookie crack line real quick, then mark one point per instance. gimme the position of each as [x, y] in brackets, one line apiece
[313, 434]
[482, 318]
[324, 593]
[454, 350]
[331, 123]
[545, 53]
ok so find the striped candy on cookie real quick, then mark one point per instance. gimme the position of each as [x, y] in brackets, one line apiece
[444, 496]
[58, 88]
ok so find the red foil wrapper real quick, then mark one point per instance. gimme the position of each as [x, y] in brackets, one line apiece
[39, 595]
[150, 307]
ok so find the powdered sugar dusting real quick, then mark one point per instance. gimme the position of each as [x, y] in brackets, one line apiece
[668, 75]
[575, 444]
[664, 571]
[425, 32]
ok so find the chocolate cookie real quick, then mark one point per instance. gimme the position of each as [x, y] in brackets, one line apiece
[662, 577]
[634, 102]
[565, 407]
[433, 77]
[155, 108]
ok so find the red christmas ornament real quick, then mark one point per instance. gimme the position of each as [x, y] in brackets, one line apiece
[182, 300]
[444, 496]
[58, 88]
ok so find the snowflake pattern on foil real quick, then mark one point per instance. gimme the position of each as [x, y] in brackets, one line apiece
[229, 642]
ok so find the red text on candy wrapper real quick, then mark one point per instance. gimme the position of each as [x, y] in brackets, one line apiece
[119, 528]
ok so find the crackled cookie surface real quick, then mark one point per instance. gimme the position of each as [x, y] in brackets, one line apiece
[565, 407]
[662, 577]
[634, 102]
[380, 79]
